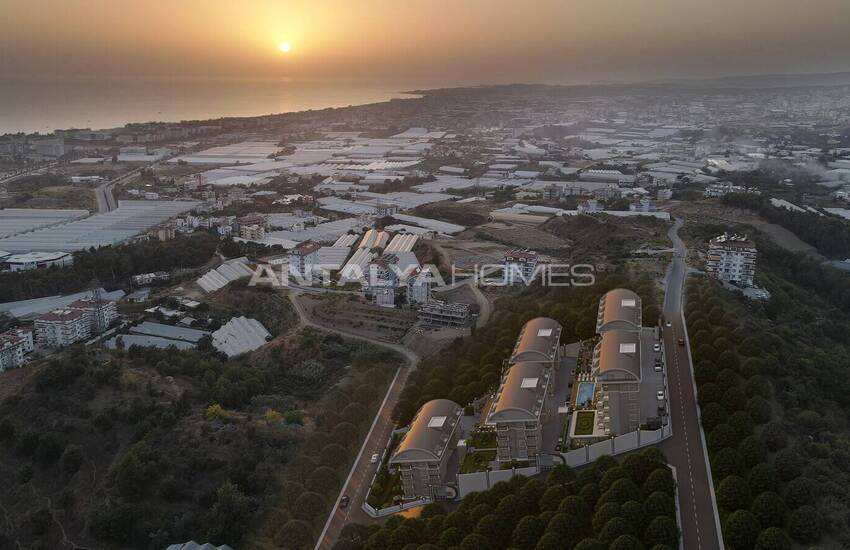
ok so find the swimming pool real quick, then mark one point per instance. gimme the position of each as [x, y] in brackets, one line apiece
[585, 393]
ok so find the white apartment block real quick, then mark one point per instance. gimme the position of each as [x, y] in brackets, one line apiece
[303, 258]
[519, 266]
[14, 345]
[99, 313]
[61, 327]
[732, 258]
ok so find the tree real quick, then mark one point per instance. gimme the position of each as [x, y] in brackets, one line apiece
[552, 498]
[565, 527]
[476, 541]
[773, 538]
[759, 409]
[323, 480]
[742, 529]
[626, 542]
[659, 504]
[561, 475]
[621, 491]
[725, 463]
[775, 436]
[713, 415]
[451, 537]
[591, 544]
[801, 491]
[662, 530]
[769, 509]
[615, 528]
[403, 535]
[733, 494]
[551, 541]
[661, 479]
[722, 437]
[788, 464]
[527, 532]
[804, 525]
[763, 477]
[604, 513]
[309, 506]
[230, 516]
[752, 451]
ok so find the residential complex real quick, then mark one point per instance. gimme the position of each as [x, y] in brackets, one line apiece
[78, 321]
[732, 258]
[426, 448]
[522, 403]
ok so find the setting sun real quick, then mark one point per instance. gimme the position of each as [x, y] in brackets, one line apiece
[285, 47]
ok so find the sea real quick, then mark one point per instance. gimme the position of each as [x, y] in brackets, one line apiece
[46, 105]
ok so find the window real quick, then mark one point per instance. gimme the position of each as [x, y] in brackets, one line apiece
[529, 383]
[628, 348]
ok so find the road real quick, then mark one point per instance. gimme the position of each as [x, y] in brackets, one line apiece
[105, 200]
[686, 450]
[360, 476]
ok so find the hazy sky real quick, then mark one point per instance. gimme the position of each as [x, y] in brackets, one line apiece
[432, 42]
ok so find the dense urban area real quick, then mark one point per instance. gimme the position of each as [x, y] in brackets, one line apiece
[529, 317]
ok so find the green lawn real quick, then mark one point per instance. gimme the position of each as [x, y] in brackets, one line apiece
[482, 439]
[584, 422]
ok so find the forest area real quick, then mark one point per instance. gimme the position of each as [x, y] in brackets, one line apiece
[143, 447]
[773, 387]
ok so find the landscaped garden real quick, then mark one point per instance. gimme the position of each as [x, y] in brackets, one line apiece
[584, 422]
[478, 461]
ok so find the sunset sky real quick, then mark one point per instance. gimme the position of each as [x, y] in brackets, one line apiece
[434, 42]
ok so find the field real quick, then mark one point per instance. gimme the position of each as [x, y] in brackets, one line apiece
[49, 191]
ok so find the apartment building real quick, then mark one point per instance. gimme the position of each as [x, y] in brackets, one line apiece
[538, 342]
[303, 258]
[422, 456]
[99, 314]
[616, 369]
[444, 314]
[519, 411]
[732, 258]
[61, 327]
[619, 309]
[14, 345]
[519, 266]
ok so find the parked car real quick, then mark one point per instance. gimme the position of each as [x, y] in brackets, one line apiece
[660, 395]
[657, 367]
[681, 341]
[656, 347]
[374, 459]
[343, 502]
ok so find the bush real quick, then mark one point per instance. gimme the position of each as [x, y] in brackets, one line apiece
[662, 530]
[773, 538]
[800, 492]
[769, 510]
[763, 477]
[788, 464]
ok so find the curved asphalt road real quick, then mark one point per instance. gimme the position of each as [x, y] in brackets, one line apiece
[686, 450]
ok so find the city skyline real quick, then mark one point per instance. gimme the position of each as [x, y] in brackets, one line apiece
[419, 43]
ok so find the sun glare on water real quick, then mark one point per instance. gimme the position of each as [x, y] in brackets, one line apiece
[285, 47]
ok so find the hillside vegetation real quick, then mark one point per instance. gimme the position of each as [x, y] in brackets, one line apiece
[610, 505]
[774, 390]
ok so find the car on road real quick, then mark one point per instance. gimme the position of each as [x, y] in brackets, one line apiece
[656, 347]
[657, 367]
[659, 395]
[668, 323]
[681, 341]
[374, 459]
[343, 501]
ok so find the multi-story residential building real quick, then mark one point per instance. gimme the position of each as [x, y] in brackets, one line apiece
[419, 286]
[99, 313]
[445, 314]
[619, 309]
[303, 258]
[520, 409]
[14, 344]
[252, 232]
[422, 456]
[732, 258]
[538, 342]
[616, 369]
[61, 327]
[519, 266]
